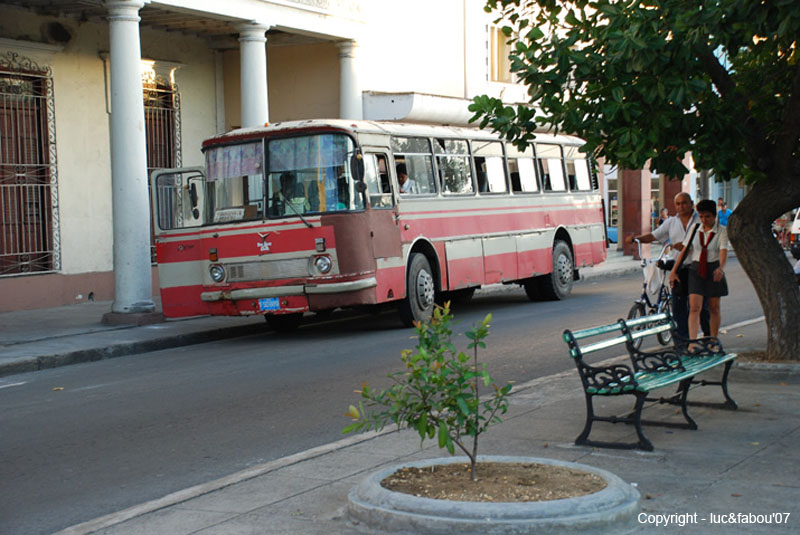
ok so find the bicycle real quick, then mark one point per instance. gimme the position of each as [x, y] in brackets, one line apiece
[655, 280]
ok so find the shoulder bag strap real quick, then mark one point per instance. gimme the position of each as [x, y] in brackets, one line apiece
[682, 257]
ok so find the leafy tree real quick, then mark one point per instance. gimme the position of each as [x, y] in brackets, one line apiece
[650, 80]
[439, 392]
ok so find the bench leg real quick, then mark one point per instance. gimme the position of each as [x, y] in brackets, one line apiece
[634, 418]
[684, 390]
[729, 403]
[644, 444]
[587, 428]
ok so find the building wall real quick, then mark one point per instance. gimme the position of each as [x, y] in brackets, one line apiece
[82, 136]
[303, 81]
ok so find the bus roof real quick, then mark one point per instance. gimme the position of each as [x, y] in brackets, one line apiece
[375, 127]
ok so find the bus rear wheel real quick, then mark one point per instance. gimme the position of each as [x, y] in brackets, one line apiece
[558, 284]
[420, 291]
[284, 323]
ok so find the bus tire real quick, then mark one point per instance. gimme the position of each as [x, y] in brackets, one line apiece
[558, 284]
[420, 291]
[284, 323]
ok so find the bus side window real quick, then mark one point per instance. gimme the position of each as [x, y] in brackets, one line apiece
[452, 158]
[551, 165]
[415, 153]
[523, 175]
[521, 167]
[578, 171]
[490, 166]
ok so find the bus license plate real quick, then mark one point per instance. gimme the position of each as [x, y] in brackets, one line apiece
[270, 303]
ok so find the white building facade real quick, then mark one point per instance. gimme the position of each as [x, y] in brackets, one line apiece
[96, 94]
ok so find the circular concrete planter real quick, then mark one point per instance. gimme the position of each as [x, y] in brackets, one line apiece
[611, 510]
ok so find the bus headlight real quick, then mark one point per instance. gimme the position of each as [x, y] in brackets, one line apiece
[323, 264]
[217, 272]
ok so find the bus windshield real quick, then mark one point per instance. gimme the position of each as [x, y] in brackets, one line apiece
[304, 175]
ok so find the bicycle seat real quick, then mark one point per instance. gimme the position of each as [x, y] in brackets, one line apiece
[666, 263]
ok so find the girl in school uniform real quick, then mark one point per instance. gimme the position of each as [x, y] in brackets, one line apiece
[708, 250]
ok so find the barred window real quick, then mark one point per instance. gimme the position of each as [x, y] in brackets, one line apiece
[28, 196]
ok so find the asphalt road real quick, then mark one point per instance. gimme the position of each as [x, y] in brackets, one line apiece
[87, 440]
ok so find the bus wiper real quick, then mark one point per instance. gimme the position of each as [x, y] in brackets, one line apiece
[298, 214]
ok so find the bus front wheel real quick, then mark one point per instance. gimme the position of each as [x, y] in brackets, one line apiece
[558, 284]
[420, 291]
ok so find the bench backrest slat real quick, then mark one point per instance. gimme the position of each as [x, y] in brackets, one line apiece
[597, 346]
[647, 319]
[594, 331]
[651, 330]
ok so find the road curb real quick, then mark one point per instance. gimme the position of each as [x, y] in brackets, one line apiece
[92, 354]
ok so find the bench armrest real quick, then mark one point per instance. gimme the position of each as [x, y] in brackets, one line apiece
[659, 360]
[611, 379]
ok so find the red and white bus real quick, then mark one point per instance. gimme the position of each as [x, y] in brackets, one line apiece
[310, 216]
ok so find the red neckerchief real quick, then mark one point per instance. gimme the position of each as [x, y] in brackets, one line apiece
[702, 268]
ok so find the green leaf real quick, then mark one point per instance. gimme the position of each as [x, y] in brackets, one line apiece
[444, 437]
[462, 405]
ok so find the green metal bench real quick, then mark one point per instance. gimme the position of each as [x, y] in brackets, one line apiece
[649, 370]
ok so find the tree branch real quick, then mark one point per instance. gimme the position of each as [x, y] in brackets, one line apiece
[758, 147]
[790, 129]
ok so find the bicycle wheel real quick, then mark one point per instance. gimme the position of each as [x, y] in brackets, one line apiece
[637, 311]
[665, 306]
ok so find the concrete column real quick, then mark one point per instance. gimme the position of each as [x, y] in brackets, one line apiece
[671, 188]
[635, 206]
[350, 104]
[133, 290]
[253, 53]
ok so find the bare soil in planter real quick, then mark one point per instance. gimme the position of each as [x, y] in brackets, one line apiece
[496, 482]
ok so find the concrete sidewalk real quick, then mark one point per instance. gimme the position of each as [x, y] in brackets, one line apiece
[32, 340]
[738, 462]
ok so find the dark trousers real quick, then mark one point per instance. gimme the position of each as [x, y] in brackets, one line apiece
[680, 311]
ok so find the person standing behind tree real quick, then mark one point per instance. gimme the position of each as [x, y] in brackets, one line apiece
[674, 230]
[709, 254]
[723, 212]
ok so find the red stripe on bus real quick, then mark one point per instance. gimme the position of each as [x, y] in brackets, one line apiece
[243, 245]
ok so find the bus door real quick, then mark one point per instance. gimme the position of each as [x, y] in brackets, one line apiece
[179, 206]
[385, 231]
[384, 226]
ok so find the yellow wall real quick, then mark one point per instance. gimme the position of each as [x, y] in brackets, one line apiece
[302, 80]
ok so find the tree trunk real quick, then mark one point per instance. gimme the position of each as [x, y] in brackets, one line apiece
[766, 264]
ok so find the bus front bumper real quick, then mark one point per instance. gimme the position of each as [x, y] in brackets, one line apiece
[285, 291]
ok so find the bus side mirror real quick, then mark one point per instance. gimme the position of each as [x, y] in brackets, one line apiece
[357, 167]
[193, 194]
[361, 186]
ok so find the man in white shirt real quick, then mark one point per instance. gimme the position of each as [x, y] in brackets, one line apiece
[674, 230]
[407, 185]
